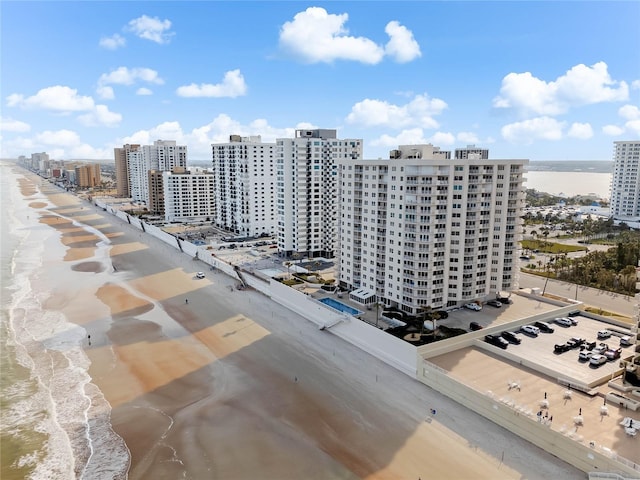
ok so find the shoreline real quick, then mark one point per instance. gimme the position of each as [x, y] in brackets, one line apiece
[235, 386]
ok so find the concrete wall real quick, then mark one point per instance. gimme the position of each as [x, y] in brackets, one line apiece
[584, 454]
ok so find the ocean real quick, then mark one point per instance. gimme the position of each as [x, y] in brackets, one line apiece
[55, 423]
[569, 184]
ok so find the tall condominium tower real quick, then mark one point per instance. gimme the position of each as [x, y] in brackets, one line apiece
[188, 195]
[88, 175]
[625, 181]
[470, 151]
[121, 157]
[422, 230]
[244, 185]
[306, 206]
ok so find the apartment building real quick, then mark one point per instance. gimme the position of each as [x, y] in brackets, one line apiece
[188, 195]
[306, 191]
[156, 192]
[625, 181]
[471, 151]
[121, 158]
[88, 176]
[244, 173]
[422, 230]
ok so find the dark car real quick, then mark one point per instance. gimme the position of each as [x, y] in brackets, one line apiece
[475, 326]
[575, 342]
[561, 348]
[494, 303]
[442, 314]
[511, 338]
[496, 341]
[544, 327]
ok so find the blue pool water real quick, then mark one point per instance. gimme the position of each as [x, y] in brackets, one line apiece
[341, 307]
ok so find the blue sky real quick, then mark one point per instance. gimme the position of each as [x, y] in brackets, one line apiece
[538, 80]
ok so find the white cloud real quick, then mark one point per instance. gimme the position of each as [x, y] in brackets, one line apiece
[129, 76]
[581, 85]
[635, 84]
[105, 92]
[113, 42]
[526, 132]
[144, 91]
[58, 138]
[418, 112]
[629, 112]
[583, 131]
[152, 29]
[612, 130]
[468, 138]
[316, 36]
[59, 144]
[57, 98]
[232, 86]
[411, 136]
[101, 116]
[10, 125]
[442, 139]
[401, 46]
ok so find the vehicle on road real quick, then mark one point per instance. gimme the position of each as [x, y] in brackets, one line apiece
[612, 353]
[200, 275]
[597, 360]
[474, 326]
[575, 342]
[497, 341]
[626, 341]
[590, 345]
[494, 303]
[561, 348]
[585, 355]
[511, 338]
[563, 321]
[530, 330]
[544, 327]
[473, 306]
[600, 349]
[602, 334]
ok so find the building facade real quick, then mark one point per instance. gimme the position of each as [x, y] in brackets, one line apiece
[244, 174]
[306, 191]
[625, 181]
[156, 192]
[88, 176]
[471, 151]
[420, 230]
[121, 158]
[188, 195]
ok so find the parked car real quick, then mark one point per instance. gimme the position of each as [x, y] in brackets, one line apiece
[585, 355]
[511, 338]
[575, 342]
[473, 306]
[600, 349]
[602, 334]
[561, 348]
[612, 353]
[475, 326]
[597, 360]
[626, 341]
[544, 327]
[494, 303]
[563, 321]
[573, 313]
[442, 314]
[497, 341]
[590, 345]
[200, 275]
[530, 330]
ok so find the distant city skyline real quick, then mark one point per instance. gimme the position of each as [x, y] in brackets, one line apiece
[533, 80]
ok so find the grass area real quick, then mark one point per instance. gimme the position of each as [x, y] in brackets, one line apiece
[604, 313]
[550, 247]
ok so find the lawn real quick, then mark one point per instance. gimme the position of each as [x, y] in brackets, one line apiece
[550, 247]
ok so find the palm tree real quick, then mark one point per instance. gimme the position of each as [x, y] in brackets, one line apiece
[288, 264]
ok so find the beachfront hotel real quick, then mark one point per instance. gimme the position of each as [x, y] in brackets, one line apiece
[188, 195]
[133, 163]
[244, 179]
[306, 191]
[422, 230]
[625, 181]
[88, 176]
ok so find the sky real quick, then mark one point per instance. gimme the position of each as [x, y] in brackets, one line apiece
[538, 80]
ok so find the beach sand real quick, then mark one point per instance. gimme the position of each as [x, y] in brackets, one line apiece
[233, 386]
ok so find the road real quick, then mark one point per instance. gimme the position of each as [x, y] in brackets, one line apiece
[611, 302]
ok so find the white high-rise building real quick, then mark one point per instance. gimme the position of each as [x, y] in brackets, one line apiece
[188, 195]
[423, 230]
[244, 174]
[306, 202]
[163, 155]
[625, 181]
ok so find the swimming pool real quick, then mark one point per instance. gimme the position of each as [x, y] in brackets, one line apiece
[341, 307]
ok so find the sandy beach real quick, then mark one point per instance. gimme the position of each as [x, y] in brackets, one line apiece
[234, 386]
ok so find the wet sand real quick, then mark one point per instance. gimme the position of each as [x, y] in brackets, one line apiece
[233, 386]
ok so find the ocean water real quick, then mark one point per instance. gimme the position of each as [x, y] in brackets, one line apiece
[55, 424]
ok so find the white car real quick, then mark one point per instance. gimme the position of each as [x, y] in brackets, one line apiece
[598, 360]
[200, 275]
[602, 334]
[585, 355]
[473, 306]
[563, 321]
[531, 330]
